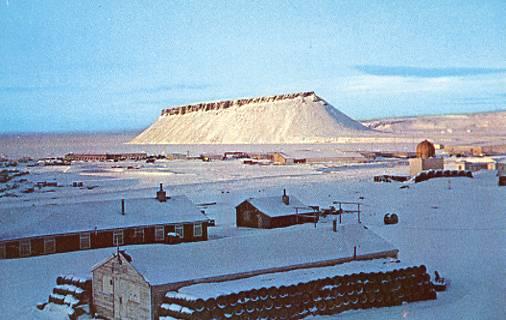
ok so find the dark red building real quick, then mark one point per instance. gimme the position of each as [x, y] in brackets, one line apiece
[48, 229]
[273, 212]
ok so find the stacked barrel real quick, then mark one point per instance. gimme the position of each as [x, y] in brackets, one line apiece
[430, 174]
[72, 292]
[318, 297]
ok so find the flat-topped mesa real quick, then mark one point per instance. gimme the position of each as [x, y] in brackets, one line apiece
[289, 118]
[207, 106]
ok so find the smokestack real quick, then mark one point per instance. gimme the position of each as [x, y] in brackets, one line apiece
[161, 195]
[123, 206]
[285, 198]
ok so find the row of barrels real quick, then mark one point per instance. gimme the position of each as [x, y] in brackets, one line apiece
[72, 291]
[79, 282]
[77, 292]
[429, 174]
[319, 297]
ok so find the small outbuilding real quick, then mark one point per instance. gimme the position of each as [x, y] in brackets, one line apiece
[273, 212]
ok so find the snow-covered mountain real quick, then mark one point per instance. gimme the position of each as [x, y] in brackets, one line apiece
[290, 118]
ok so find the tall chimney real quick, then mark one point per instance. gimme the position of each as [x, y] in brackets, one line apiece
[285, 198]
[123, 206]
[161, 195]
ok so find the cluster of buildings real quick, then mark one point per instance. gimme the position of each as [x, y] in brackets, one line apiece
[426, 159]
[163, 219]
[476, 150]
[132, 285]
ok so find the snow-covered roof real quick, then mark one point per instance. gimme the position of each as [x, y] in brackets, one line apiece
[298, 245]
[16, 223]
[275, 207]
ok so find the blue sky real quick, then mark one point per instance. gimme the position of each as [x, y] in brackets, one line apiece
[113, 65]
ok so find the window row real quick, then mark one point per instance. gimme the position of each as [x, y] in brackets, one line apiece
[25, 246]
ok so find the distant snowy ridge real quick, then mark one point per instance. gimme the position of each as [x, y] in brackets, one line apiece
[476, 123]
[290, 118]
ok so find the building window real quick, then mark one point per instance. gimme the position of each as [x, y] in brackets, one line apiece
[159, 233]
[180, 230]
[25, 248]
[84, 241]
[49, 245]
[197, 230]
[3, 253]
[139, 234]
[117, 238]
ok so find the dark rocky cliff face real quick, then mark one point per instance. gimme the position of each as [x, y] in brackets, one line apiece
[207, 106]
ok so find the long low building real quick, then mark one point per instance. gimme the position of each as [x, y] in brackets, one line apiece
[105, 156]
[47, 229]
[317, 156]
[131, 285]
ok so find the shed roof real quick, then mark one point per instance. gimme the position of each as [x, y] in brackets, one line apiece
[298, 245]
[275, 207]
[16, 223]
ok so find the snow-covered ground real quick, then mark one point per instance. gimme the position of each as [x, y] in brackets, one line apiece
[457, 228]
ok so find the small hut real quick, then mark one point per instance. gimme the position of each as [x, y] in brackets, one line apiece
[273, 212]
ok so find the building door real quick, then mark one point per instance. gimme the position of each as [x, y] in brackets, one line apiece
[120, 297]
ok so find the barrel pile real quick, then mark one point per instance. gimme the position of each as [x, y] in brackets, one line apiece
[430, 174]
[73, 292]
[318, 297]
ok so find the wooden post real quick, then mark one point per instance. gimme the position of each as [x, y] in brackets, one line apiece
[354, 252]
[359, 213]
[340, 213]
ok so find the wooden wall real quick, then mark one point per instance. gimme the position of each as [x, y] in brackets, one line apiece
[249, 216]
[101, 239]
[120, 292]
